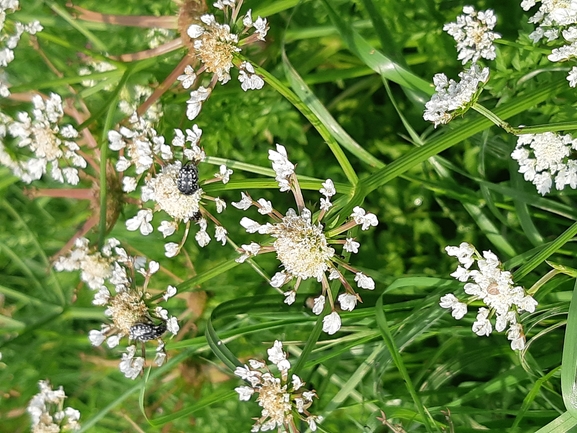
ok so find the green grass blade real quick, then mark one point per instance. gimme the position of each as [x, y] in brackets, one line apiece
[562, 424]
[323, 115]
[544, 253]
[348, 170]
[381, 64]
[569, 362]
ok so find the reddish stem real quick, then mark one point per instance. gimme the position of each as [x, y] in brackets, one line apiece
[91, 222]
[125, 20]
[79, 194]
[164, 86]
[153, 52]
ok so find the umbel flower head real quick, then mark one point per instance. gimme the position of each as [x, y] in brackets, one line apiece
[44, 139]
[455, 98]
[301, 243]
[10, 36]
[132, 310]
[171, 181]
[546, 157]
[495, 288]
[216, 46]
[48, 413]
[281, 400]
[473, 34]
[556, 20]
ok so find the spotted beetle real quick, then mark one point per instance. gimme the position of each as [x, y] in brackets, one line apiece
[187, 180]
[144, 332]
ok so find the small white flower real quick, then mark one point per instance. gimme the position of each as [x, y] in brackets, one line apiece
[328, 189]
[194, 104]
[482, 326]
[194, 31]
[366, 220]
[278, 279]
[351, 246]
[463, 252]
[96, 337]
[331, 323]
[244, 203]
[249, 225]
[220, 204]
[290, 297]
[188, 78]
[348, 301]
[249, 80]
[167, 228]
[172, 325]
[113, 341]
[364, 281]
[171, 249]
[278, 357]
[244, 392]
[325, 204]
[281, 166]
[223, 174]
[459, 309]
[319, 305]
[265, 206]
[128, 184]
[202, 238]
[141, 221]
[170, 292]
[220, 234]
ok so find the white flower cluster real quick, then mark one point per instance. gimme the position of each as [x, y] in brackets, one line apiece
[215, 46]
[45, 139]
[454, 98]
[556, 19]
[547, 156]
[128, 308]
[48, 413]
[144, 149]
[281, 400]
[9, 40]
[301, 244]
[139, 143]
[96, 266]
[495, 288]
[473, 34]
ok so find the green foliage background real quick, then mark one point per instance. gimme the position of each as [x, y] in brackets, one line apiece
[429, 188]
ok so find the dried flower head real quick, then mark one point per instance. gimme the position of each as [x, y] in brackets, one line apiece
[301, 243]
[48, 413]
[473, 34]
[281, 400]
[455, 98]
[45, 140]
[171, 184]
[546, 157]
[495, 288]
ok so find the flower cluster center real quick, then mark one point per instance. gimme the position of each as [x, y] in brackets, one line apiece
[302, 247]
[126, 310]
[168, 198]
